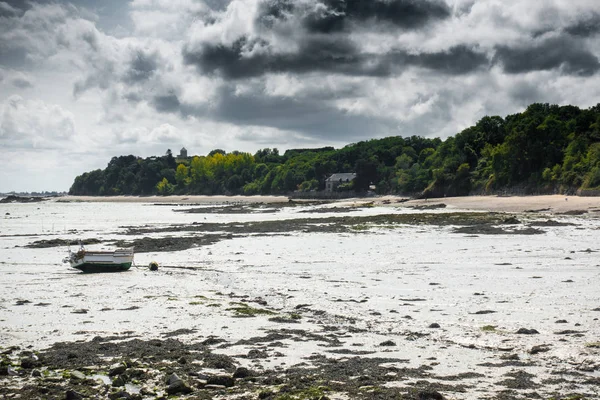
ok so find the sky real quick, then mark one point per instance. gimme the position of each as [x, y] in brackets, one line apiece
[83, 81]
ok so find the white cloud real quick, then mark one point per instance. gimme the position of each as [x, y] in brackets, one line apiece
[34, 124]
[165, 19]
[163, 134]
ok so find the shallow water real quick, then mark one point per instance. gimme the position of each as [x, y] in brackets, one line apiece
[376, 285]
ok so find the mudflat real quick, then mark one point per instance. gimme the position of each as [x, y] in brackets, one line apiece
[361, 298]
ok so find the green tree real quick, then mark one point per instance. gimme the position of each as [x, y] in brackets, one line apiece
[182, 175]
[164, 188]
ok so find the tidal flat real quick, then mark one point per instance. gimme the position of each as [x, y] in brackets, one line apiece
[301, 300]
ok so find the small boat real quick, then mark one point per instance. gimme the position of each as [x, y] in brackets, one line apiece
[100, 261]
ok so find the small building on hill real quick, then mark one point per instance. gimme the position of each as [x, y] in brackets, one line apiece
[336, 180]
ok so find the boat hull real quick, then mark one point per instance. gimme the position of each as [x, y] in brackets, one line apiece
[99, 267]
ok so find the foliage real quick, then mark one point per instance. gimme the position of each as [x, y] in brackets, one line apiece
[546, 148]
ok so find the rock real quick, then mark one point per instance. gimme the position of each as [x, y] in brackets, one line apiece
[73, 395]
[36, 373]
[511, 221]
[117, 369]
[569, 332]
[260, 301]
[525, 331]
[179, 387]
[434, 325]
[387, 343]
[539, 349]
[172, 379]
[78, 376]
[242, 372]
[222, 380]
[561, 321]
[182, 360]
[254, 353]
[30, 362]
[433, 395]
[118, 381]
[212, 340]
[265, 394]
[119, 395]
[482, 312]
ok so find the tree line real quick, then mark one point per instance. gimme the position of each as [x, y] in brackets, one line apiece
[545, 149]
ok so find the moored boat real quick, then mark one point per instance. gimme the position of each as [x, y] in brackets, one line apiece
[100, 261]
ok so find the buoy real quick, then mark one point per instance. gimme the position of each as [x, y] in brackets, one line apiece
[153, 266]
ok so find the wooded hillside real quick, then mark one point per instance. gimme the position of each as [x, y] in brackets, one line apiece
[545, 149]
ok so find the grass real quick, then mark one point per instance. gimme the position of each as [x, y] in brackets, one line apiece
[489, 328]
[244, 310]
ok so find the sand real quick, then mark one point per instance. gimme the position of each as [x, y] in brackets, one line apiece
[551, 203]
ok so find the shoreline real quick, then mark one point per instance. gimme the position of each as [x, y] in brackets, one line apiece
[537, 203]
[303, 300]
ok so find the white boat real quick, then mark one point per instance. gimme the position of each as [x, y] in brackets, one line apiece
[100, 261]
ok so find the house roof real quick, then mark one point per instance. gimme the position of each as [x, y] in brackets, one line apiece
[343, 176]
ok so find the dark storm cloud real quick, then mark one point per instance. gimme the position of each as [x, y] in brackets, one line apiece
[327, 54]
[6, 11]
[166, 103]
[141, 67]
[13, 8]
[305, 115]
[525, 93]
[315, 54]
[455, 61]
[585, 27]
[336, 15]
[569, 55]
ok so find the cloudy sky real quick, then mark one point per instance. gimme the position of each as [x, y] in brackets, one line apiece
[84, 80]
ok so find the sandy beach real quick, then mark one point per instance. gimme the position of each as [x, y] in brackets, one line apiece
[549, 203]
